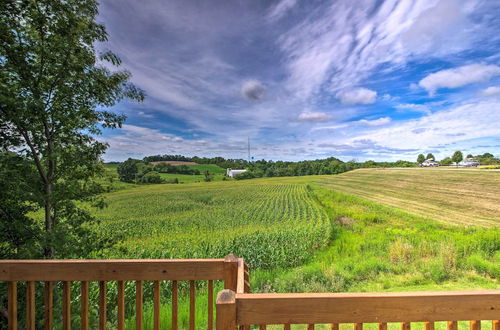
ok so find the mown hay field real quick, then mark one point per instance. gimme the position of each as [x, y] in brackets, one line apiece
[466, 197]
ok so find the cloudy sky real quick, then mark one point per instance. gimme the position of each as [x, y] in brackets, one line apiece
[380, 80]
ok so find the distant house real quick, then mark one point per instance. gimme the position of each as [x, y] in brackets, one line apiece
[469, 162]
[232, 173]
[429, 163]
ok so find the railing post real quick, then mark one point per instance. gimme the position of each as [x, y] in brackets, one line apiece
[231, 272]
[226, 310]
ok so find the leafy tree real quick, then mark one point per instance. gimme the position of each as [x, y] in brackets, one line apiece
[457, 157]
[53, 89]
[430, 156]
[420, 158]
[128, 171]
[487, 155]
[208, 176]
[446, 161]
[469, 156]
[152, 177]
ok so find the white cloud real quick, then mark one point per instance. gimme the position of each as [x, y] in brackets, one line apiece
[375, 122]
[490, 91]
[458, 77]
[357, 96]
[414, 107]
[253, 90]
[279, 9]
[317, 117]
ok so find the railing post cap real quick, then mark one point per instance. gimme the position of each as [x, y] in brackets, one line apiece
[226, 296]
[231, 258]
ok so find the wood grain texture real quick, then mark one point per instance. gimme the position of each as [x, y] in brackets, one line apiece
[495, 325]
[358, 326]
[210, 320]
[103, 309]
[231, 272]
[84, 306]
[429, 326]
[112, 270]
[30, 306]
[138, 304]
[192, 305]
[226, 310]
[452, 325]
[367, 307]
[66, 306]
[475, 325]
[49, 305]
[12, 305]
[175, 308]
[405, 326]
[121, 305]
[156, 305]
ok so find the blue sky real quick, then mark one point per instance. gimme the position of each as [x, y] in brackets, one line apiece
[381, 80]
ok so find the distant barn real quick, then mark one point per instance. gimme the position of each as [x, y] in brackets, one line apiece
[173, 162]
[232, 173]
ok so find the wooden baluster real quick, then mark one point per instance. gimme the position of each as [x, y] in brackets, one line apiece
[121, 305]
[429, 325]
[210, 305]
[286, 326]
[475, 325]
[156, 303]
[49, 305]
[85, 306]
[262, 327]
[12, 305]
[66, 307]
[405, 326]
[174, 304]
[30, 306]
[138, 305]
[382, 326]
[192, 305]
[103, 309]
[334, 326]
[452, 325]
[495, 325]
[358, 326]
[310, 327]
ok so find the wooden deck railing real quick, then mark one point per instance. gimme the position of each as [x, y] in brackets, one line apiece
[231, 270]
[244, 310]
[235, 306]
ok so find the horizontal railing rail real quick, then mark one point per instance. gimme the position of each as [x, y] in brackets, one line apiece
[357, 308]
[65, 272]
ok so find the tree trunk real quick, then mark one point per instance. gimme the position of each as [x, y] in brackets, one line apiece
[48, 250]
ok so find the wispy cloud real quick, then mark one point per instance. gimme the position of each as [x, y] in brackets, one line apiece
[357, 96]
[316, 117]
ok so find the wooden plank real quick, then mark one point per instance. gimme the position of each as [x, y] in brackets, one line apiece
[138, 304]
[192, 305]
[405, 326]
[226, 310]
[310, 327]
[12, 304]
[49, 305]
[367, 307]
[475, 325]
[358, 326]
[112, 270]
[156, 304]
[495, 325]
[30, 306]
[121, 305]
[429, 326]
[85, 306]
[66, 306]
[231, 272]
[334, 326]
[286, 326]
[210, 324]
[452, 325]
[240, 284]
[175, 308]
[103, 309]
[262, 327]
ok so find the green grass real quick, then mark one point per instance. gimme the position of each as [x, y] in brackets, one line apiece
[307, 234]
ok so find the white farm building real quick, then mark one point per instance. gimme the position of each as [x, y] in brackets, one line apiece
[232, 173]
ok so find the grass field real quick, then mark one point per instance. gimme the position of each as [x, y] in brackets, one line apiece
[366, 230]
[455, 196]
